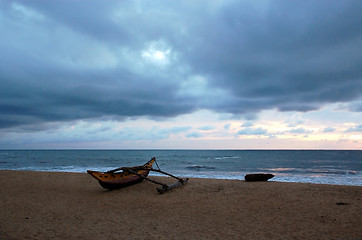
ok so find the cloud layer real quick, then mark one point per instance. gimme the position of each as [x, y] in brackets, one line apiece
[63, 61]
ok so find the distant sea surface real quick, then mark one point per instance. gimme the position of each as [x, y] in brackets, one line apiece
[341, 167]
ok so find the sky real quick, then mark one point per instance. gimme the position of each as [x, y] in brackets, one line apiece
[223, 74]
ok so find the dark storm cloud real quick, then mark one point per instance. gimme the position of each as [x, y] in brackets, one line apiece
[257, 55]
[293, 56]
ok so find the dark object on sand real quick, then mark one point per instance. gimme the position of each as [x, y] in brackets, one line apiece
[257, 177]
[125, 176]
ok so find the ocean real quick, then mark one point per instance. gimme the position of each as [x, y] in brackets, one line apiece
[341, 167]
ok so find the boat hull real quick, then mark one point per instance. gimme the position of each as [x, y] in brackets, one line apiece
[258, 177]
[122, 183]
[114, 180]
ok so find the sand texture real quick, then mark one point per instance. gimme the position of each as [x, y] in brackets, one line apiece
[42, 205]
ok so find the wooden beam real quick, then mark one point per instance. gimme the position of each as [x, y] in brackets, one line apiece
[172, 186]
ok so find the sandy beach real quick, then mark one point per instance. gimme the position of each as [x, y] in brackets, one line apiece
[43, 205]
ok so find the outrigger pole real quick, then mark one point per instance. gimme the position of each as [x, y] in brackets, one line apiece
[165, 187]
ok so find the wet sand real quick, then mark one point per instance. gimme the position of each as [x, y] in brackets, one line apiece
[43, 205]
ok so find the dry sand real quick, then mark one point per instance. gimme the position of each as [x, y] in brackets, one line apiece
[41, 205]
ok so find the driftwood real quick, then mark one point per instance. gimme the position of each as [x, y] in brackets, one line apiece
[256, 177]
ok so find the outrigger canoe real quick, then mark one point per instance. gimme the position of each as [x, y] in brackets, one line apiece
[125, 176]
[128, 176]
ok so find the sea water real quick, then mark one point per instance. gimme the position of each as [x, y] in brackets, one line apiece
[342, 167]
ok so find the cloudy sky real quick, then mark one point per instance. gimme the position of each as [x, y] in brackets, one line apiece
[181, 74]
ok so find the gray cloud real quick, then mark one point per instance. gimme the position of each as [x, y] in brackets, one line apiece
[247, 124]
[300, 130]
[227, 126]
[194, 135]
[357, 128]
[329, 129]
[206, 128]
[356, 107]
[252, 131]
[65, 61]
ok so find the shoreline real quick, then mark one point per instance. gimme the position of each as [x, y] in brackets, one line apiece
[198, 177]
[37, 205]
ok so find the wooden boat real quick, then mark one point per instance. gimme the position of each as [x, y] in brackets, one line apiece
[258, 177]
[114, 179]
